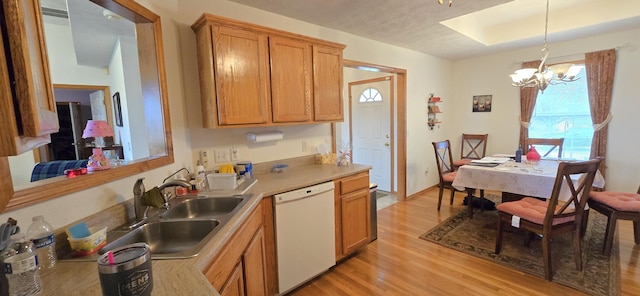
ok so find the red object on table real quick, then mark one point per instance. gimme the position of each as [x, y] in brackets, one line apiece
[533, 154]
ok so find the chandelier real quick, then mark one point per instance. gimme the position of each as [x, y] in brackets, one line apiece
[545, 75]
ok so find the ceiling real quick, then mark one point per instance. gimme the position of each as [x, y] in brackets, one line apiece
[95, 30]
[465, 29]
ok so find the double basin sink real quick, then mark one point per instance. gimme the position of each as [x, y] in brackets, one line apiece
[182, 230]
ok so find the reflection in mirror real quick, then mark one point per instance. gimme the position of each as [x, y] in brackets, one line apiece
[89, 45]
[105, 64]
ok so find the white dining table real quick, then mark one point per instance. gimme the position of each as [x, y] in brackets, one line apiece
[519, 178]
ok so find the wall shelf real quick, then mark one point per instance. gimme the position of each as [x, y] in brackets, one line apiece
[432, 110]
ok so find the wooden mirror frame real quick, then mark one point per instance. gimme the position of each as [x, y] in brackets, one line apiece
[154, 85]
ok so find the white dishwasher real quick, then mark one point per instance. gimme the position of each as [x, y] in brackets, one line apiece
[305, 234]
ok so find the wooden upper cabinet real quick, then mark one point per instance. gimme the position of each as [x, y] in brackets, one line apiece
[241, 76]
[290, 79]
[327, 80]
[29, 114]
[239, 61]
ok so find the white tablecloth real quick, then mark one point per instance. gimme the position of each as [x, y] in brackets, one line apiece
[520, 178]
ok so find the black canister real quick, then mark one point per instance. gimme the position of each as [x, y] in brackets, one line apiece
[126, 271]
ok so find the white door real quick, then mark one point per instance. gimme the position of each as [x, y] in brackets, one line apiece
[370, 122]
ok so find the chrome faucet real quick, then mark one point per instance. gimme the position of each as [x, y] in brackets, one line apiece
[139, 209]
[172, 183]
[139, 190]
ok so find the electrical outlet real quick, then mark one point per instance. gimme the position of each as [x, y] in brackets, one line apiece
[235, 153]
[204, 158]
[221, 155]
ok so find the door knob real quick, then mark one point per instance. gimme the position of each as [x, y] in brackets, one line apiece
[386, 144]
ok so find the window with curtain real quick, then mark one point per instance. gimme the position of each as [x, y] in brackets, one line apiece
[562, 111]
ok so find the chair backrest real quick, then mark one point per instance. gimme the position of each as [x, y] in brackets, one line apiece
[583, 173]
[444, 159]
[473, 146]
[552, 144]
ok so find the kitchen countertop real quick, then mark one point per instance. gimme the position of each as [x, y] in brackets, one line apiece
[184, 276]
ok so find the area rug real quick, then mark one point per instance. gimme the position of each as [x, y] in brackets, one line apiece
[601, 274]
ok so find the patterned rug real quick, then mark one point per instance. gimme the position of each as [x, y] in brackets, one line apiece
[601, 274]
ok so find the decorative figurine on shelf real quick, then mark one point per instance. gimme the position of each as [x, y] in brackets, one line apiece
[98, 161]
[533, 155]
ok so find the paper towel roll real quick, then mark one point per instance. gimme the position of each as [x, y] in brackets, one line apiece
[265, 136]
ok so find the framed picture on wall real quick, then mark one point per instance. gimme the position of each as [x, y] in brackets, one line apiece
[482, 103]
[117, 109]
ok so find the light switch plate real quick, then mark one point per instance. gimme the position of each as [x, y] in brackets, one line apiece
[235, 153]
[204, 158]
[222, 155]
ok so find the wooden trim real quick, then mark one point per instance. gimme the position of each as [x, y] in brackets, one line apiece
[401, 120]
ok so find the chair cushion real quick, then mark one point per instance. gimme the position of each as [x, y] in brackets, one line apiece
[461, 162]
[448, 177]
[621, 201]
[531, 209]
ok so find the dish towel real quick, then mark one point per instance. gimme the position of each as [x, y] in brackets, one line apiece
[153, 198]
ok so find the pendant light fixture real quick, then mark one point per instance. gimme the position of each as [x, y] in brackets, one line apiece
[545, 75]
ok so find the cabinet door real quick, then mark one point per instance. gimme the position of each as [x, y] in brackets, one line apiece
[355, 220]
[327, 80]
[290, 79]
[241, 76]
[33, 90]
[235, 284]
[255, 268]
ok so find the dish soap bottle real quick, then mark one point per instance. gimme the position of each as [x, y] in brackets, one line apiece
[519, 154]
[201, 178]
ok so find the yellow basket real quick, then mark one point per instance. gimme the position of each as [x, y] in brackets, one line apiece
[90, 244]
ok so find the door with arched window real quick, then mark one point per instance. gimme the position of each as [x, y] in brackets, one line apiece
[371, 109]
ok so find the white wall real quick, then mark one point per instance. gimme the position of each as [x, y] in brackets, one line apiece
[489, 75]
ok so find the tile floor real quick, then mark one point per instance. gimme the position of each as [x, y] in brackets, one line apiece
[384, 199]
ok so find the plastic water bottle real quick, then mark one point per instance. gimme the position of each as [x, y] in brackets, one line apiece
[21, 266]
[41, 234]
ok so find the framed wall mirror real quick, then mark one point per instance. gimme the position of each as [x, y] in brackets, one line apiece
[104, 47]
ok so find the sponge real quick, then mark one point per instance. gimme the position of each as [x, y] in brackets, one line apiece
[79, 230]
[153, 198]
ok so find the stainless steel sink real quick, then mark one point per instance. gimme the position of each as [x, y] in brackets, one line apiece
[180, 232]
[170, 238]
[203, 207]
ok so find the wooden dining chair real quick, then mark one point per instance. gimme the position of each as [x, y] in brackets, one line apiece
[446, 172]
[551, 144]
[617, 206]
[474, 146]
[552, 217]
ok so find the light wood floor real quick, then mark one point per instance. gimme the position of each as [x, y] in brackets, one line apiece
[399, 263]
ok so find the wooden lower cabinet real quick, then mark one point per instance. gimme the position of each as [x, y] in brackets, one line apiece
[352, 214]
[242, 266]
[235, 283]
